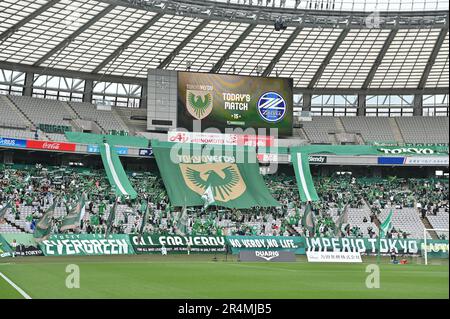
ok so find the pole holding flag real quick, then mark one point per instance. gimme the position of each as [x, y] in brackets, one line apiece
[385, 227]
[44, 226]
[308, 220]
[144, 207]
[208, 197]
[111, 218]
[5, 208]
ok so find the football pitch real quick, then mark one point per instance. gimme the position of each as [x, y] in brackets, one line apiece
[202, 277]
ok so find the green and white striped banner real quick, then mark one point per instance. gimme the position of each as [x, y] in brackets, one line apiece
[304, 179]
[115, 171]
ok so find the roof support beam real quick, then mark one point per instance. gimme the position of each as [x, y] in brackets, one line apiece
[180, 47]
[280, 53]
[379, 59]
[143, 81]
[7, 33]
[71, 73]
[374, 91]
[230, 51]
[71, 37]
[328, 58]
[127, 43]
[432, 58]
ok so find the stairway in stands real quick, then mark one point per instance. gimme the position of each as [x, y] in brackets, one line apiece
[396, 130]
[292, 230]
[24, 116]
[17, 110]
[427, 225]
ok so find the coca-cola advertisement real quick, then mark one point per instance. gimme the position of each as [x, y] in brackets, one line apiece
[51, 146]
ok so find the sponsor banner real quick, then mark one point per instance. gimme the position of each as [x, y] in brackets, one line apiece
[12, 142]
[231, 101]
[391, 160]
[333, 257]
[255, 140]
[267, 243]
[146, 152]
[82, 245]
[427, 160]
[435, 248]
[51, 146]
[148, 244]
[416, 150]
[268, 157]
[220, 139]
[316, 159]
[96, 149]
[267, 255]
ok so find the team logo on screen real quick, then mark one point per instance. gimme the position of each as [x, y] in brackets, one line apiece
[271, 107]
[199, 103]
[224, 179]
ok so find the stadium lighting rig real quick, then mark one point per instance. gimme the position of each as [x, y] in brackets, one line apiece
[280, 24]
[312, 13]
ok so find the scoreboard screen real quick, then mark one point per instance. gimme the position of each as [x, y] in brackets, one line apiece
[231, 101]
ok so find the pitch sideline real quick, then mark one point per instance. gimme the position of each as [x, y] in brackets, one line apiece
[17, 288]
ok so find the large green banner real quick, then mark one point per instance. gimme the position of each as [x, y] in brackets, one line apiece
[231, 101]
[231, 174]
[81, 245]
[278, 243]
[148, 244]
[371, 246]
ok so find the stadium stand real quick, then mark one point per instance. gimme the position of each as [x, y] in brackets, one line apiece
[371, 129]
[107, 120]
[319, 128]
[364, 208]
[44, 111]
[10, 116]
[424, 129]
[439, 220]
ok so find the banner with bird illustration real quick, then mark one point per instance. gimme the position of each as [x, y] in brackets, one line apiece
[232, 176]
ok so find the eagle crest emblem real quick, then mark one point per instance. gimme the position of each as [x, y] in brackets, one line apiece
[199, 103]
[224, 178]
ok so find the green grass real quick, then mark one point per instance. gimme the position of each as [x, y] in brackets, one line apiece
[199, 277]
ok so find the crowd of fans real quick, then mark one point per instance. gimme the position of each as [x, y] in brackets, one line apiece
[38, 187]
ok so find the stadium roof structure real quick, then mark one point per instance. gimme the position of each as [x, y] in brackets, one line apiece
[329, 45]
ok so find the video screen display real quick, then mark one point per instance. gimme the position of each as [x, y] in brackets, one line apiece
[231, 101]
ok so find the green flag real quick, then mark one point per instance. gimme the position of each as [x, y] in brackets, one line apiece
[4, 209]
[144, 209]
[234, 177]
[343, 219]
[308, 219]
[115, 172]
[208, 197]
[182, 222]
[386, 226]
[44, 226]
[111, 217]
[74, 215]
